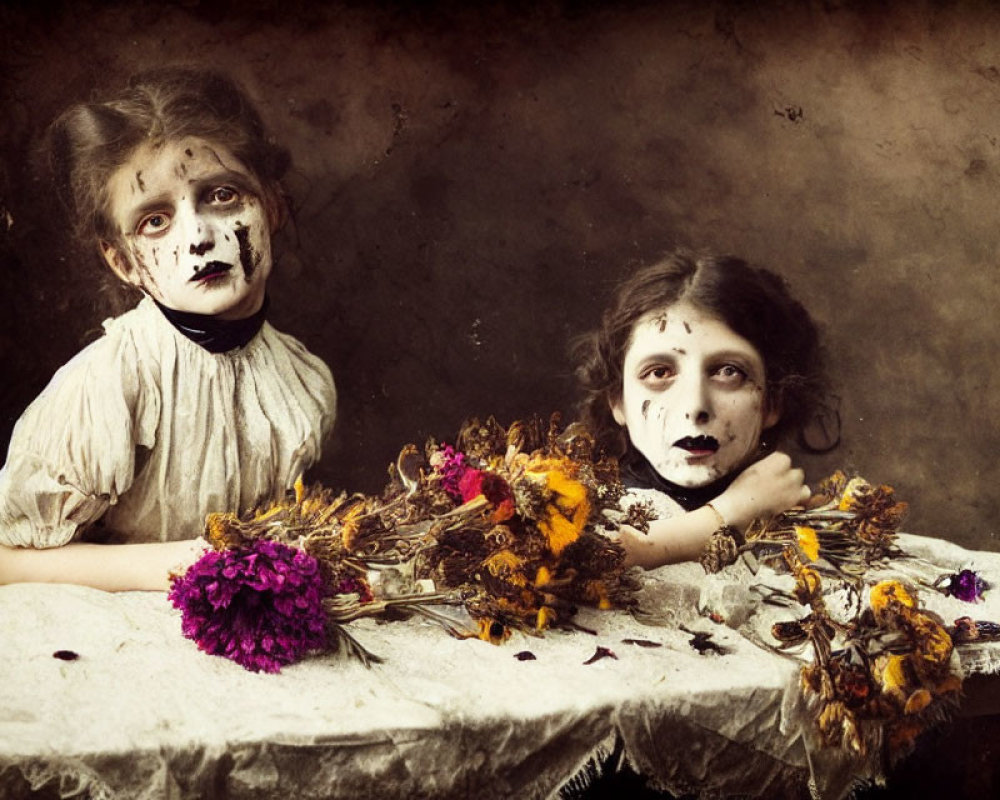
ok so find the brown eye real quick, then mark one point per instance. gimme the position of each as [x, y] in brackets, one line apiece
[657, 375]
[223, 196]
[731, 374]
[152, 224]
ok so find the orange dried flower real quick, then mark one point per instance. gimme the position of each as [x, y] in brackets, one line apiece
[808, 541]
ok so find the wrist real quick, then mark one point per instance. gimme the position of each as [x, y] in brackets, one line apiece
[727, 512]
[720, 519]
[723, 527]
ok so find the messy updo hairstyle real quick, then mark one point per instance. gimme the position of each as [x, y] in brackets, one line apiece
[90, 141]
[752, 301]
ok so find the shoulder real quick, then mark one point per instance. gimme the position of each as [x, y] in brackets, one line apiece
[101, 364]
[95, 393]
[72, 451]
[297, 366]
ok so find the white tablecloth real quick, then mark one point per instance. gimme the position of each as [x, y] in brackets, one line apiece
[141, 713]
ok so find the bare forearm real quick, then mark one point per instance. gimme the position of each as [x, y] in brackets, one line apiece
[671, 540]
[765, 488]
[113, 567]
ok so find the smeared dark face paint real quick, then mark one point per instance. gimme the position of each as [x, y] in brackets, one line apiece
[247, 255]
[139, 262]
[200, 215]
[691, 399]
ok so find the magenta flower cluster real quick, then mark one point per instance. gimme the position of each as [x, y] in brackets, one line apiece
[260, 605]
[452, 469]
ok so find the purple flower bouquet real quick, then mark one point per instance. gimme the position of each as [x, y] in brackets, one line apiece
[260, 604]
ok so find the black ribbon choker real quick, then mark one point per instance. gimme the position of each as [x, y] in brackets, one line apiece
[638, 473]
[214, 334]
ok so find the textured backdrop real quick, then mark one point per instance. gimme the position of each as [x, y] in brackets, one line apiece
[470, 183]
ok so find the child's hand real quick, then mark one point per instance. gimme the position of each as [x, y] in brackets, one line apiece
[640, 549]
[186, 552]
[762, 490]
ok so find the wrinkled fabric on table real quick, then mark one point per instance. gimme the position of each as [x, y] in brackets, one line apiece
[141, 713]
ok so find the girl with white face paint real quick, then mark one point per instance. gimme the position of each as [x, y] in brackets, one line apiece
[700, 366]
[194, 233]
[191, 402]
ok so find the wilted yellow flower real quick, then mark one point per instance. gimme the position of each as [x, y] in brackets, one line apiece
[893, 676]
[808, 541]
[808, 585]
[544, 617]
[267, 513]
[492, 631]
[917, 701]
[351, 526]
[887, 593]
[837, 724]
[596, 592]
[852, 492]
[559, 531]
[222, 530]
[567, 512]
[506, 564]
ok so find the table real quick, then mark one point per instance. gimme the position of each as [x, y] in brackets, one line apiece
[141, 713]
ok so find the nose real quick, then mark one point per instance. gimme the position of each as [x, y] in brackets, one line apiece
[693, 398]
[196, 230]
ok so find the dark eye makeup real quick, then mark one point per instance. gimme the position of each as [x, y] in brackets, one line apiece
[223, 195]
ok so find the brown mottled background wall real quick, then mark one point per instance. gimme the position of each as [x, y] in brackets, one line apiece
[470, 183]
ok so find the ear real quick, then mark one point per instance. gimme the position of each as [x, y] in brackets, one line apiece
[119, 264]
[617, 411]
[772, 412]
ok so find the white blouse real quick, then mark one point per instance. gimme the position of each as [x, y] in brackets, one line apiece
[148, 432]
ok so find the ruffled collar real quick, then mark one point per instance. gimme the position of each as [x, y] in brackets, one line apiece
[214, 334]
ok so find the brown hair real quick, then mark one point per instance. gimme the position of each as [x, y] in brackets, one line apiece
[90, 141]
[752, 301]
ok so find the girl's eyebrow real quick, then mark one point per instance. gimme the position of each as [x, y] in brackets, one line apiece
[224, 176]
[745, 357]
[658, 357]
[734, 355]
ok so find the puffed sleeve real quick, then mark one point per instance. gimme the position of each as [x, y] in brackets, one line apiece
[73, 450]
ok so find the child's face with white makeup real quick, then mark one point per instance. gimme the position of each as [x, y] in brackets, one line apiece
[693, 396]
[196, 233]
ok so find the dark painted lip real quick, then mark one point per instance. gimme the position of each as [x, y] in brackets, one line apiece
[698, 445]
[213, 269]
